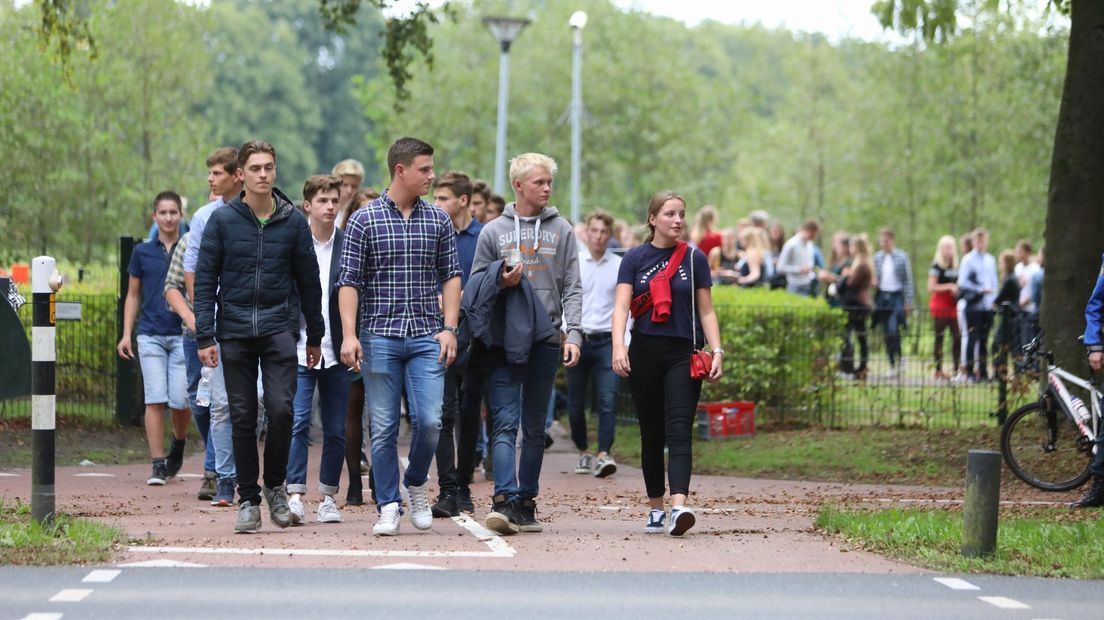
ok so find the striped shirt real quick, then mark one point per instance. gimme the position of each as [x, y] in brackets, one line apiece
[398, 265]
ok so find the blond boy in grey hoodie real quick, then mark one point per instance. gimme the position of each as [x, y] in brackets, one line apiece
[533, 232]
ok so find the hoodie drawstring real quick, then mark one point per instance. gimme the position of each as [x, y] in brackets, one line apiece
[536, 232]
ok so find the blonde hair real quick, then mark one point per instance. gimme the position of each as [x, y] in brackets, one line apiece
[938, 259]
[348, 168]
[703, 223]
[754, 238]
[522, 166]
[860, 251]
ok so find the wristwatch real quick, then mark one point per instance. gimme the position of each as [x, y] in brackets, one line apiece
[452, 329]
[718, 350]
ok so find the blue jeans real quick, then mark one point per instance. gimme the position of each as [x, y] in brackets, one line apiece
[519, 396]
[596, 363]
[389, 365]
[333, 395]
[891, 306]
[213, 422]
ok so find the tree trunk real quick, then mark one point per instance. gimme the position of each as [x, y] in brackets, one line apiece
[1075, 209]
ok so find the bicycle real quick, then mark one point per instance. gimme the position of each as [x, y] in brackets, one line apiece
[1049, 443]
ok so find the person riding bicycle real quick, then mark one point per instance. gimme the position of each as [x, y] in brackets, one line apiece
[1094, 345]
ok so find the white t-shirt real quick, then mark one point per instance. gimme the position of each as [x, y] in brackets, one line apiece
[888, 280]
[324, 252]
[599, 279]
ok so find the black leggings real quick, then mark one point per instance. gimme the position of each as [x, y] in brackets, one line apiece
[943, 323]
[665, 398]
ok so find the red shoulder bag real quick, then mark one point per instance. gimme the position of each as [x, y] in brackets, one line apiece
[658, 296]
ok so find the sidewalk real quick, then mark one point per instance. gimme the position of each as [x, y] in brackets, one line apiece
[744, 525]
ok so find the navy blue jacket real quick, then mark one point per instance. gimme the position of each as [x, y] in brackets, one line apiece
[486, 307]
[257, 275]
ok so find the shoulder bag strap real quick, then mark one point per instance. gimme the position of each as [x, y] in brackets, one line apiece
[693, 307]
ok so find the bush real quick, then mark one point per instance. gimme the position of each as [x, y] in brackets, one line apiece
[780, 348]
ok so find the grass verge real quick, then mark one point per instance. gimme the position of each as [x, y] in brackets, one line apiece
[1043, 542]
[69, 540]
[871, 455]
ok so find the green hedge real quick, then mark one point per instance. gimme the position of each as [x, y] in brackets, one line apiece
[780, 349]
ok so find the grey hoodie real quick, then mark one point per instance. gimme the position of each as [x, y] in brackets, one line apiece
[551, 260]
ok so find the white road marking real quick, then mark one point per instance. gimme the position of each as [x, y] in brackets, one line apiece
[71, 595]
[499, 547]
[93, 474]
[337, 553]
[42, 616]
[189, 475]
[1003, 602]
[407, 566]
[610, 508]
[101, 576]
[7, 475]
[162, 563]
[956, 584]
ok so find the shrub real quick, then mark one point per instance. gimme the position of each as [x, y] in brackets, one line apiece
[780, 348]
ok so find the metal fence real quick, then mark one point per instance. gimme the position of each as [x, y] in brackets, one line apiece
[86, 355]
[786, 360]
[789, 363]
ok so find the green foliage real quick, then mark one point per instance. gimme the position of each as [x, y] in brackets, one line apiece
[68, 540]
[780, 348]
[1049, 542]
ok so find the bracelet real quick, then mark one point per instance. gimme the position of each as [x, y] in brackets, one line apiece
[451, 329]
[718, 350]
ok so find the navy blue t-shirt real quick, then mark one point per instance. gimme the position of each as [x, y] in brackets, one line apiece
[641, 263]
[150, 262]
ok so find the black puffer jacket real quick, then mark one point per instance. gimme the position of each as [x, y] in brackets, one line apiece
[258, 276]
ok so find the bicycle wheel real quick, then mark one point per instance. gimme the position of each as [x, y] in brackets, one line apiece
[1045, 448]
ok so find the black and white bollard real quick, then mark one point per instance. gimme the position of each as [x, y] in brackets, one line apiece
[44, 284]
[979, 514]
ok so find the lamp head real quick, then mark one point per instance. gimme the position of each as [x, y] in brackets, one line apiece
[578, 20]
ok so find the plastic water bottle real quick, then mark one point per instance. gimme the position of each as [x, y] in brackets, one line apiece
[1080, 410]
[203, 392]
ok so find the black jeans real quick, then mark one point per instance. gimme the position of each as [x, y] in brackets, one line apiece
[278, 364]
[943, 323]
[666, 399]
[456, 449]
[858, 317]
[978, 324]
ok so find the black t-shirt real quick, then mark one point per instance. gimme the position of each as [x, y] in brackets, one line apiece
[641, 263]
[943, 275]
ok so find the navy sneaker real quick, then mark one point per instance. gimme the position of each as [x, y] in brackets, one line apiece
[656, 521]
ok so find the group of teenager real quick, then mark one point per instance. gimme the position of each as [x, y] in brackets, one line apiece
[265, 305]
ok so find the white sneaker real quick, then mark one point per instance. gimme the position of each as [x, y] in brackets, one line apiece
[297, 509]
[327, 511]
[585, 464]
[388, 524]
[421, 515]
[605, 466]
[682, 519]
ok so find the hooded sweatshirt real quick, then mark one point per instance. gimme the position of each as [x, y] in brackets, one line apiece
[551, 260]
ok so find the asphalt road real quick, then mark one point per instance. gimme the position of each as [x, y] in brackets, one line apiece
[197, 593]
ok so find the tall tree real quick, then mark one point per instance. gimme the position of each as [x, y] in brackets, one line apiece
[1075, 206]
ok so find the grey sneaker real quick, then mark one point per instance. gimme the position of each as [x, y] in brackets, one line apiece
[249, 518]
[525, 512]
[605, 467]
[277, 501]
[209, 487]
[585, 464]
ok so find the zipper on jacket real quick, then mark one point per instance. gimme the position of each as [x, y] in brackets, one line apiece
[257, 276]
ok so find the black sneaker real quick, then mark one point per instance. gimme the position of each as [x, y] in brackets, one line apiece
[464, 500]
[502, 519]
[176, 457]
[159, 475]
[526, 512]
[445, 506]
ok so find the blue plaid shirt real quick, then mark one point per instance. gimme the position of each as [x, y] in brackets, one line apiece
[398, 266]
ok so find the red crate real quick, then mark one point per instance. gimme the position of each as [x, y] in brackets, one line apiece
[726, 419]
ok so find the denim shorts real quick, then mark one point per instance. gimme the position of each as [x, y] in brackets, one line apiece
[164, 377]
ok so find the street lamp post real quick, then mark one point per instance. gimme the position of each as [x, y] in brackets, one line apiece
[577, 22]
[504, 30]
